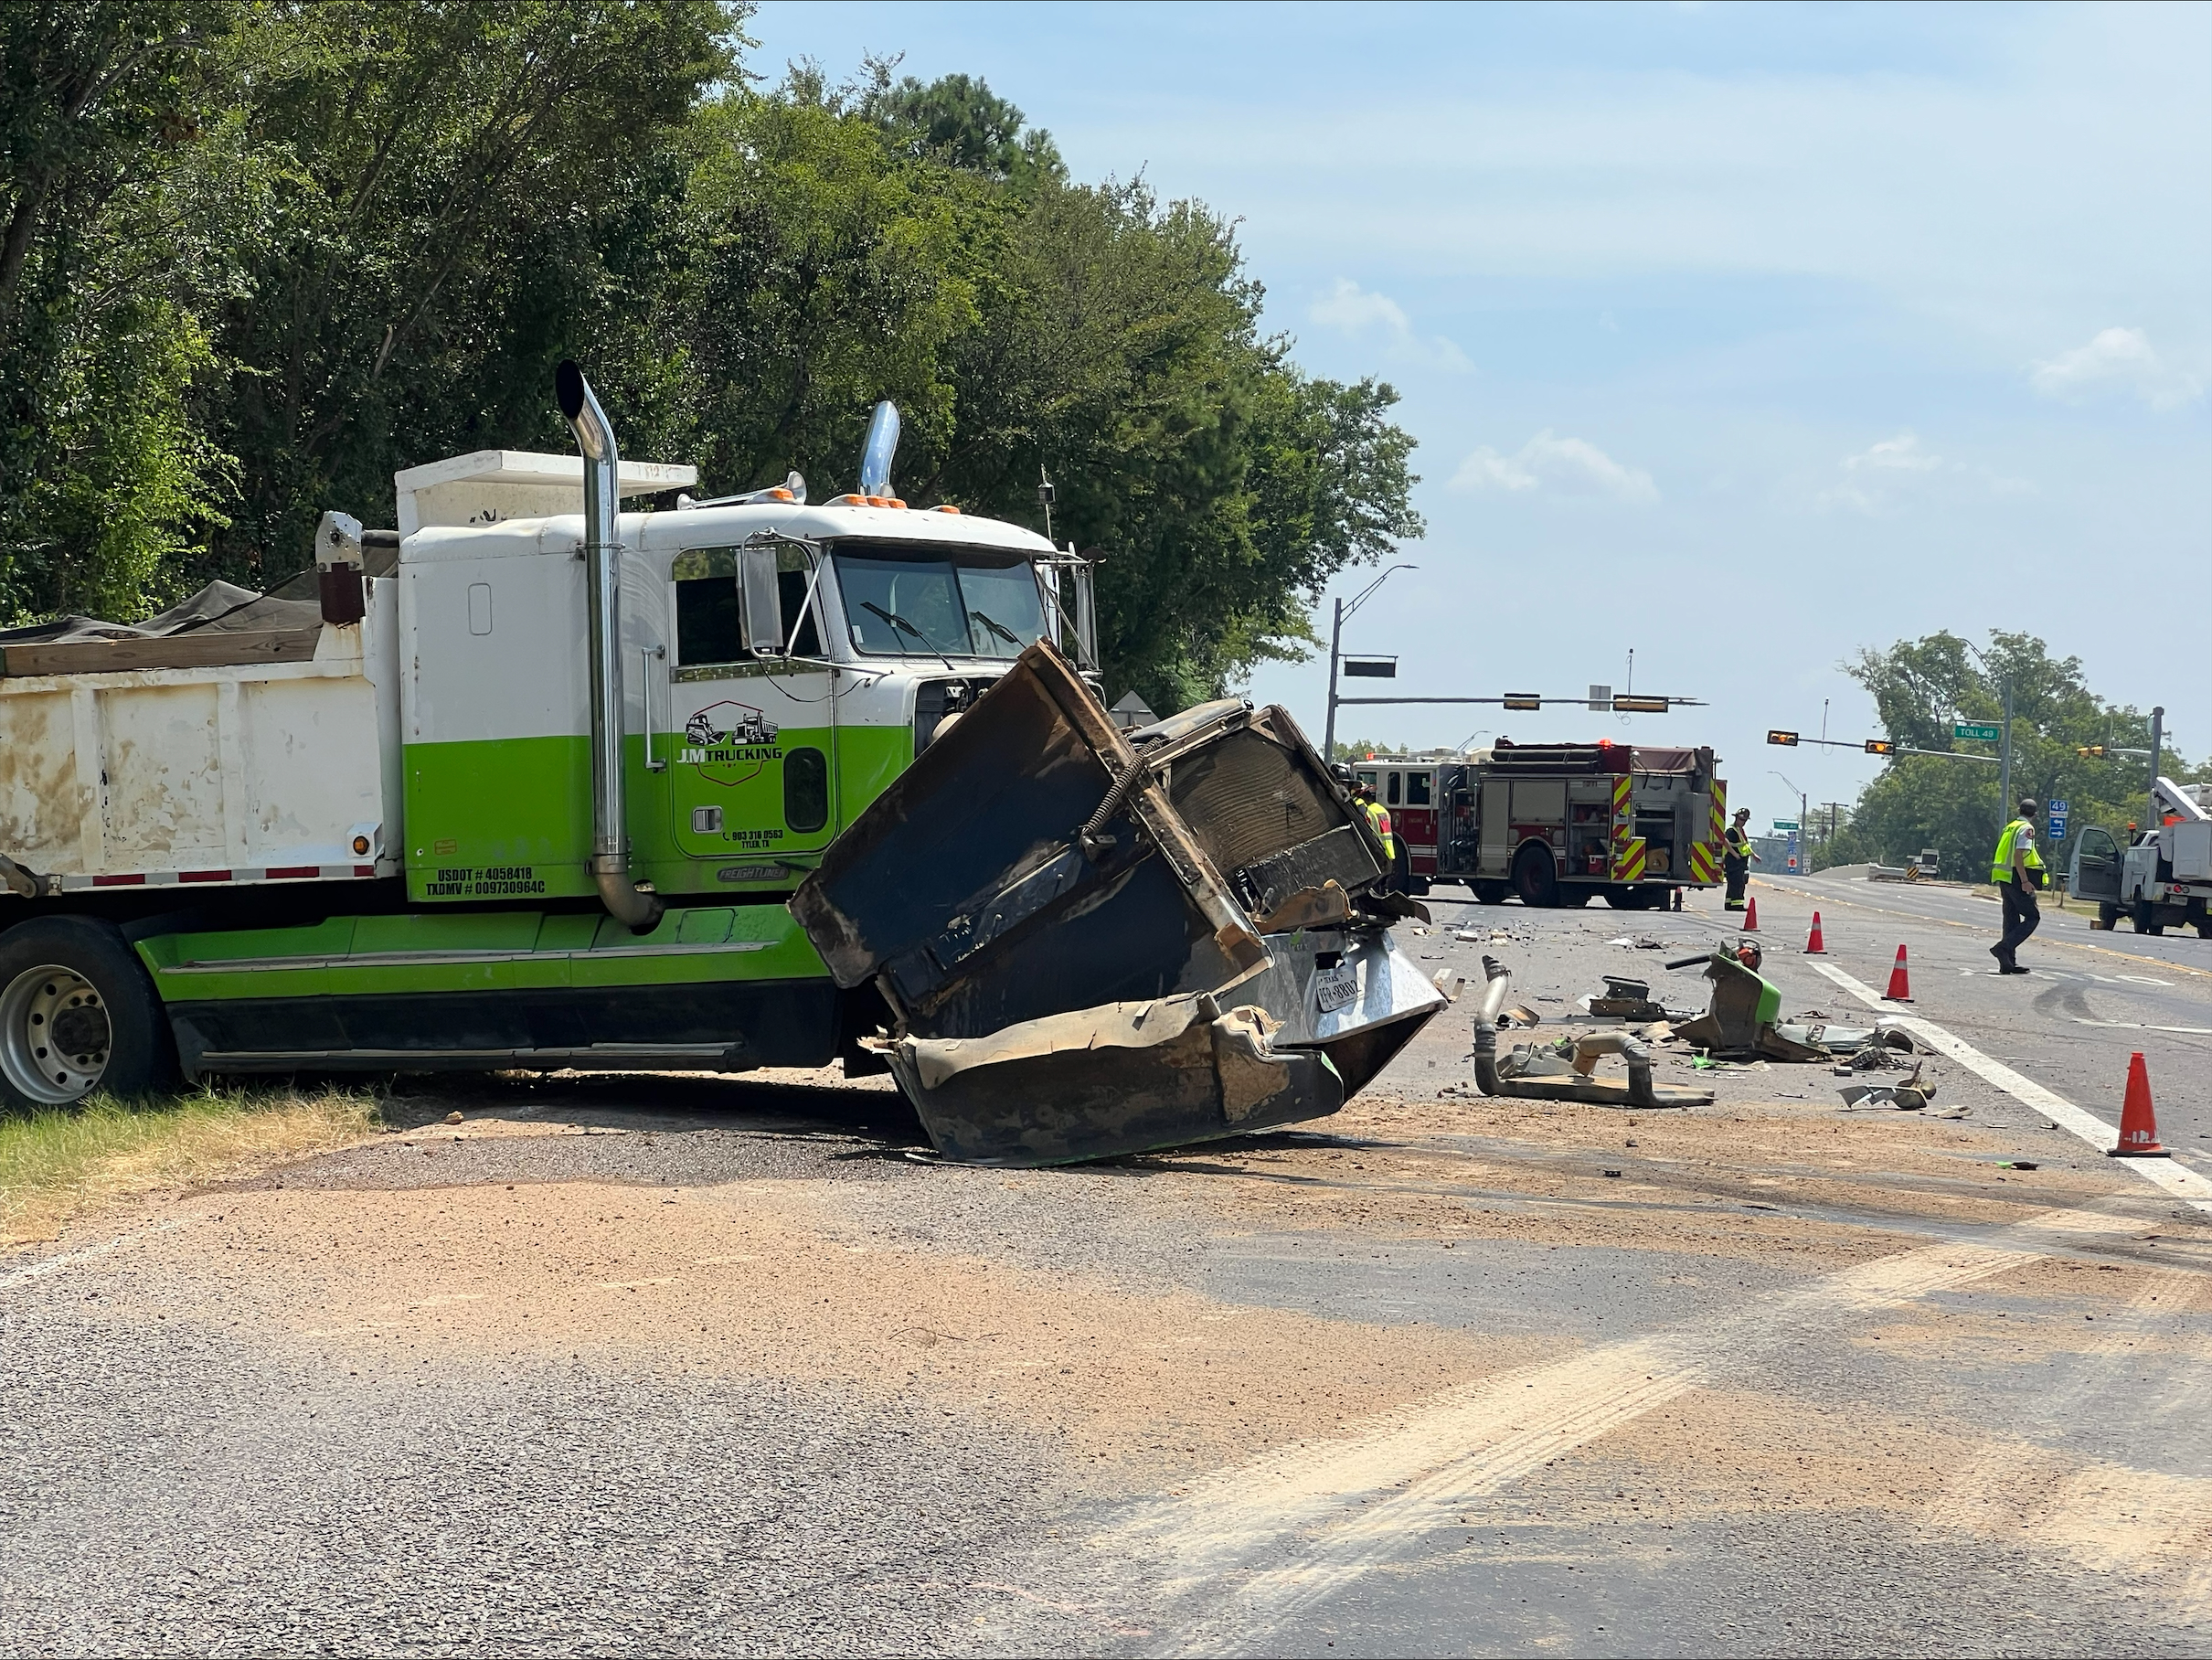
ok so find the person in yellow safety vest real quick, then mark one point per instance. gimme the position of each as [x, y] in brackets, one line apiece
[1378, 816]
[2017, 870]
[1736, 856]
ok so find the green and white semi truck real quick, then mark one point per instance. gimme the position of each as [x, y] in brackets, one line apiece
[508, 786]
[514, 786]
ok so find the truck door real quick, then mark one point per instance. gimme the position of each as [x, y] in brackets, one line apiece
[747, 735]
[1416, 823]
[2096, 871]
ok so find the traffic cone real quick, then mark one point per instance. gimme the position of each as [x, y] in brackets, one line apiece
[1900, 988]
[2138, 1123]
[1750, 916]
[1813, 947]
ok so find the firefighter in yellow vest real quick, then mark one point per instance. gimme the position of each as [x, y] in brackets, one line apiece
[1378, 816]
[1736, 856]
[2018, 871]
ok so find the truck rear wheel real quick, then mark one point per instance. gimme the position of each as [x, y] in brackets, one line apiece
[78, 1014]
[1534, 878]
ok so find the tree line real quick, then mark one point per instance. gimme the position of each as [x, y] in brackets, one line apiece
[256, 255]
[1922, 688]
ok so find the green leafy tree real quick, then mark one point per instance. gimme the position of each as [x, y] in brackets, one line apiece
[256, 257]
[122, 188]
[1922, 686]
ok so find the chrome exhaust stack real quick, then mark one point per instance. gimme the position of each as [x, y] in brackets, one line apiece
[603, 583]
[880, 449]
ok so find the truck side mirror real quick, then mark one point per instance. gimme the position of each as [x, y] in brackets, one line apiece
[763, 607]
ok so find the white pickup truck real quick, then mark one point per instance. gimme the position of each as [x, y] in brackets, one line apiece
[2165, 878]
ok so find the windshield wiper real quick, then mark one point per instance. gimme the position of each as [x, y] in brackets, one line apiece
[1008, 635]
[905, 627]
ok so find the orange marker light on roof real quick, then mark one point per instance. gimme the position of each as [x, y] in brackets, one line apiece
[948, 508]
[850, 500]
[780, 495]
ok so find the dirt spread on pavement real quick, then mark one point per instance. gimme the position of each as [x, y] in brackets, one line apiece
[1727, 1181]
[1715, 1450]
[745, 1280]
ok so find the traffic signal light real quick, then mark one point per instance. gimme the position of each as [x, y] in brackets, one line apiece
[1880, 746]
[1640, 706]
[1522, 700]
[2094, 751]
[1789, 740]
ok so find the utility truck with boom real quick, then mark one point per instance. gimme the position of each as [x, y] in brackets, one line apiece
[2165, 879]
[514, 786]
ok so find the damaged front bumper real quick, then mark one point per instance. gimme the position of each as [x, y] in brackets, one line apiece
[1096, 943]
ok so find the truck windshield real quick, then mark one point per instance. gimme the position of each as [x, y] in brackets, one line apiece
[961, 608]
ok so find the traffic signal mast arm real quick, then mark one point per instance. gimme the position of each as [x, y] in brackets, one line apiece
[1872, 746]
[1624, 704]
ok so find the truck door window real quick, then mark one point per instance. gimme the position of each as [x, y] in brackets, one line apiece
[1417, 790]
[707, 624]
[707, 607]
[805, 791]
[1390, 798]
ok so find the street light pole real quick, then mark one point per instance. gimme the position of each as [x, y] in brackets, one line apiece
[1328, 729]
[1804, 844]
[1328, 737]
[2158, 732]
[2004, 762]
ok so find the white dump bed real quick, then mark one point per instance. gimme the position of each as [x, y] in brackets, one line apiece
[231, 773]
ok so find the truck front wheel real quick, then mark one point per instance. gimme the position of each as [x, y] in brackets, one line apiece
[77, 1014]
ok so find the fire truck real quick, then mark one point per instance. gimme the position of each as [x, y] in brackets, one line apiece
[1556, 824]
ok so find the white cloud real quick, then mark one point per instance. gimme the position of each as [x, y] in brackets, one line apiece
[1899, 454]
[1566, 465]
[1352, 310]
[2117, 359]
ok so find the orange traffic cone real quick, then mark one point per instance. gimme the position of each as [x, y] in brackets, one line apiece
[1750, 916]
[1813, 947]
[2138, 1123]
[1900, 988]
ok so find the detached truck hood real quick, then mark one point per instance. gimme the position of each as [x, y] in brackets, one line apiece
[1097, 943]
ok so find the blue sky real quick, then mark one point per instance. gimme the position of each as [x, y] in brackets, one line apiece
[1741, 337]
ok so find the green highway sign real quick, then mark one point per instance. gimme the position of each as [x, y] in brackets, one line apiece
[1986, 734]
[1785, 823]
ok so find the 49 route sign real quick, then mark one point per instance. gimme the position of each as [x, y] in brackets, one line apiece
[1986, 734]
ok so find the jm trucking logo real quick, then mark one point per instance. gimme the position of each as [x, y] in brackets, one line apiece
[730, 743]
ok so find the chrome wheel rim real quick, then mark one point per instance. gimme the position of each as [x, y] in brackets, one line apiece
[55, 1036]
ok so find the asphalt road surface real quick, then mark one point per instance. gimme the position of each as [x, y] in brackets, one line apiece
[732, 1365]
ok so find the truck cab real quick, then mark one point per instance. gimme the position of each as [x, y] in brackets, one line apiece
[782, 662]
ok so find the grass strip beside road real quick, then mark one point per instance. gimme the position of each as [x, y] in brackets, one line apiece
[57, 1164]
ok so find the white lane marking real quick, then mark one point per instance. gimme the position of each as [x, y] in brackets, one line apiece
[2140, 1025]
[2172, 1175]
[1338, 1508]
[67, 1259]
